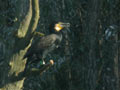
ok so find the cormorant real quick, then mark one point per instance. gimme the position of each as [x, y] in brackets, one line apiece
[46, 44]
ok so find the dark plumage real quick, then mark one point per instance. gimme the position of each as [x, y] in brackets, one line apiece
[47, 44]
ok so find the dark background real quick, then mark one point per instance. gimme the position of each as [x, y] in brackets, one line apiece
[85, 60]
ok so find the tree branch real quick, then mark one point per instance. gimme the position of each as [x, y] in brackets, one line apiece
[17, 63]
[33, 72]
[34, 20]
[24, 25]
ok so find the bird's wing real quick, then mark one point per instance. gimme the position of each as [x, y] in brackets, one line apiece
[46, 41]
[42, 44]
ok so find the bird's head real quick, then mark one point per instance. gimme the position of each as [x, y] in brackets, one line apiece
[60, 25]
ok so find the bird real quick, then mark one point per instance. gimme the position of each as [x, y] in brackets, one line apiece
[45, 45]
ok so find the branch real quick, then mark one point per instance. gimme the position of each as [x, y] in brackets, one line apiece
[28, 26]
[34, 20]
[31, 72]
[34, 71]
[24, 25]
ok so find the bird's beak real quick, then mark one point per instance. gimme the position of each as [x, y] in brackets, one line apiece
[65, 25]
[59, 26]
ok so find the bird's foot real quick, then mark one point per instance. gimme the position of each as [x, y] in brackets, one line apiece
[51, 62]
